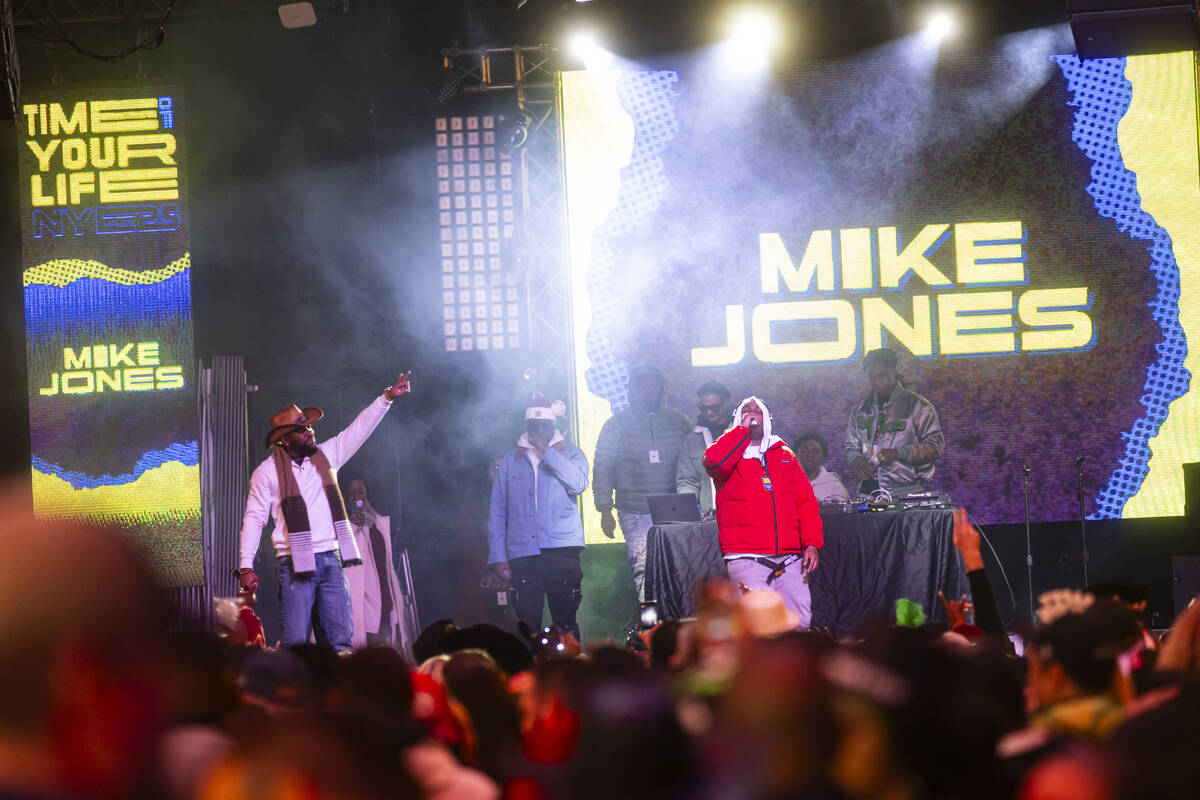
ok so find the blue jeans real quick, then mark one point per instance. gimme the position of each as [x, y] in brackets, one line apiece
[328, 591]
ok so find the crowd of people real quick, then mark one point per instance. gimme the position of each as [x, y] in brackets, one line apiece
[106, 696]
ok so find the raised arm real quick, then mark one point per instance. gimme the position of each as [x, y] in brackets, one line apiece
[342, 447]
[569, 467]
[722, 455]
[987, 615]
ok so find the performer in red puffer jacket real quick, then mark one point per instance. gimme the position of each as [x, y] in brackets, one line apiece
[767, 515]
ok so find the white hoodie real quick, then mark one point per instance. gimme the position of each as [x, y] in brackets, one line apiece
[757, 451]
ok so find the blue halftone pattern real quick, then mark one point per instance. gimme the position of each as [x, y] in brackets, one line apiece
[646, 96]
[187, 453]
[91, 307]
[1102, 95]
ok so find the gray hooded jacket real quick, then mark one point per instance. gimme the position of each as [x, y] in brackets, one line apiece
[636, 454]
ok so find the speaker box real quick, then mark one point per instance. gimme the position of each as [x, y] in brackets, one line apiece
[1111, 28]
[1185, 580]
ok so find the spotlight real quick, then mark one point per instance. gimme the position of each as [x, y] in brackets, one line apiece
[754, 29]
[513, 130]
[586, 47]
[941, 24]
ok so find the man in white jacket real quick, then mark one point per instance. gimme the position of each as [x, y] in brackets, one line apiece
[374, 587]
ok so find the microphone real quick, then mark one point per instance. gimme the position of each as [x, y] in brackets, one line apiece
[1079, 461]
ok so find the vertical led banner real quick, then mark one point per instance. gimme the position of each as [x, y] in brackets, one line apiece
[477, 196]
[108, 318]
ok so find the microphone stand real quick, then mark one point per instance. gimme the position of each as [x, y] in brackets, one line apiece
[1082, 520]
[1028, 542]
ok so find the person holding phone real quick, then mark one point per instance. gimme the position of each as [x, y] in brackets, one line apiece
[768, 519]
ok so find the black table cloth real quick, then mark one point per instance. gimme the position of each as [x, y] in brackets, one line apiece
[869, 561]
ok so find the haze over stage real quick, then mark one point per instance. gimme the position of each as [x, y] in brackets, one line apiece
[1019, 225]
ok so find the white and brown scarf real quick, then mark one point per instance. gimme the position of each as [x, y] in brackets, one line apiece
[295, 515]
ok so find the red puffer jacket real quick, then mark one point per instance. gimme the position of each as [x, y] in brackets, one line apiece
[751, 518]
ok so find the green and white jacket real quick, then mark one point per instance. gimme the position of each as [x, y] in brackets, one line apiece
[906, 419]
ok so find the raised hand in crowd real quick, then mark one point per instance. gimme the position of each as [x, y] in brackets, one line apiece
[966, 539]
[571, 646]
[956, 610]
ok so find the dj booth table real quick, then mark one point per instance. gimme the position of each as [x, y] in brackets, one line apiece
[869, 561]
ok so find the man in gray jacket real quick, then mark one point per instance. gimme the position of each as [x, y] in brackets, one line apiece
[714, 418]
[636, 455]
[893, 436]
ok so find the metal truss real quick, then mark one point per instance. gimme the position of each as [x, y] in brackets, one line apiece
[82, 12]
[61, 33]
[539, 247]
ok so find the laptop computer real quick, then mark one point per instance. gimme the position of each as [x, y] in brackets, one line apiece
[666, 508]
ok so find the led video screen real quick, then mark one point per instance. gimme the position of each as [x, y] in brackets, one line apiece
[106, 272]
[1023, 228]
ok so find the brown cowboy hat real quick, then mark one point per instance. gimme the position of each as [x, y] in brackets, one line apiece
[291, 419]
